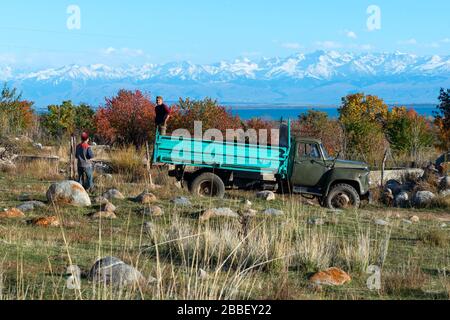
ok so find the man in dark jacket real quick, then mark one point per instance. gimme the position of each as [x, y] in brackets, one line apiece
[84, 155]
[162, 116]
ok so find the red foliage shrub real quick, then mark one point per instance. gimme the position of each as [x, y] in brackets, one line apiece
[128, 118]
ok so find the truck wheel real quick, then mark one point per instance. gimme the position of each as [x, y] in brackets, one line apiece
[208, 185]
[342, 196]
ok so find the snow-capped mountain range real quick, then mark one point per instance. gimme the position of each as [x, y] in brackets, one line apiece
[315, 78]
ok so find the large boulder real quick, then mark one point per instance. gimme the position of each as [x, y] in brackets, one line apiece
[422, 198]
[111, 270]
[146, 198]
[218, 212]
[70, 193]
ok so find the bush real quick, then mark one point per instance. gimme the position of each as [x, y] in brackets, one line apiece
[16, 115]
[128, 118]
[66, 119]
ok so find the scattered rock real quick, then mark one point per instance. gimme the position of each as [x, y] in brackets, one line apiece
[273, 212]
[104, 215]
[70, 193]
[111, 270]
[443, 225]
[12, 213]
[407, 221]
[330, 277]
[101, 200]
[402, 200]
[247, 203]
[31, 205]
[381, 222]
[146, 198]
[248, 213]
[182, 202]
[218, 212]
[422, 198]
[153, 211]
[316, 221]
[445, 183]
[414, 219]
[108, 207]
[113, 194]
[52, 221]
[38, 146]
[444, 193]
[266, 195]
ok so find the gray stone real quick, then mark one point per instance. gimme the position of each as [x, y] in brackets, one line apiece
[266, 195]
[70, 193]
[381, 222]
[444, 184]
[101, 200]
[273, 212]
[316, 221]
[153, 211]
[423, 198]
[182, 202]
[407, 221]
[30, 206]
[111, 270]
[108, 207]
[113, 194]
[402, 200]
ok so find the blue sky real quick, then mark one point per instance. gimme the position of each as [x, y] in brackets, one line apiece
[34, 34]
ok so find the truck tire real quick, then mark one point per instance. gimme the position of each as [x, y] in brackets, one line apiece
[342, 196]
[208, 185]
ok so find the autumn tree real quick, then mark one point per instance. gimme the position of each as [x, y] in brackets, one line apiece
[317, 124]
[128, 118]
[16, 114]
[208, 111]
[363, 118]
[63, 120]
[408, 132]
[442, 119]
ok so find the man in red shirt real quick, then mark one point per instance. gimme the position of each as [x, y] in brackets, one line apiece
[162, 116]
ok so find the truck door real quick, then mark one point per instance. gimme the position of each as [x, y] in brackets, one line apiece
[309, 165]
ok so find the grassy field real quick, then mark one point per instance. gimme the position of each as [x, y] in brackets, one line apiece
[263, 257]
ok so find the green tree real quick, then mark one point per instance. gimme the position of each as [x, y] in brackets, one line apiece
[67, 118]
[16, 115]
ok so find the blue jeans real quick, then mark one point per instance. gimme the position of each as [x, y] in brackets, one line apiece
[86, 177]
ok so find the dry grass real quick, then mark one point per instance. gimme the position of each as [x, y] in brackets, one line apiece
[129, 163]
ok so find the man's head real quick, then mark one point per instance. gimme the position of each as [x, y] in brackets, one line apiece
[84, 137]
[159, 100]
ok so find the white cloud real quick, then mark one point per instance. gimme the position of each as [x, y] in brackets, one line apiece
[328, 44]
[351, 34]
[445, 40]
[408, 42]
[291, 45]
[124, 52]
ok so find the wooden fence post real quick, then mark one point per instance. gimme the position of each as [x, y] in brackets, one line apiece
[72, 158]
[147, 149]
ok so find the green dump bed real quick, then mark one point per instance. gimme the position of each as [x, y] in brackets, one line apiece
[221, 155]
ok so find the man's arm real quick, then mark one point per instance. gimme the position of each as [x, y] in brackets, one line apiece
[90, 153]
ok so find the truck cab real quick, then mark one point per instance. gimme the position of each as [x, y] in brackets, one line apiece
[336, 183]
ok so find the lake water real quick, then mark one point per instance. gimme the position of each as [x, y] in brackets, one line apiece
[292, 112]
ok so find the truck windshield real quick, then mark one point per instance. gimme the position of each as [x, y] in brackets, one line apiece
[325, 153]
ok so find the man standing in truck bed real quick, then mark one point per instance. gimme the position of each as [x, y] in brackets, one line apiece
[84, 155]
[162, 116]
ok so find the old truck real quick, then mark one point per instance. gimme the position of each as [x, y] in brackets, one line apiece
[296, 165]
